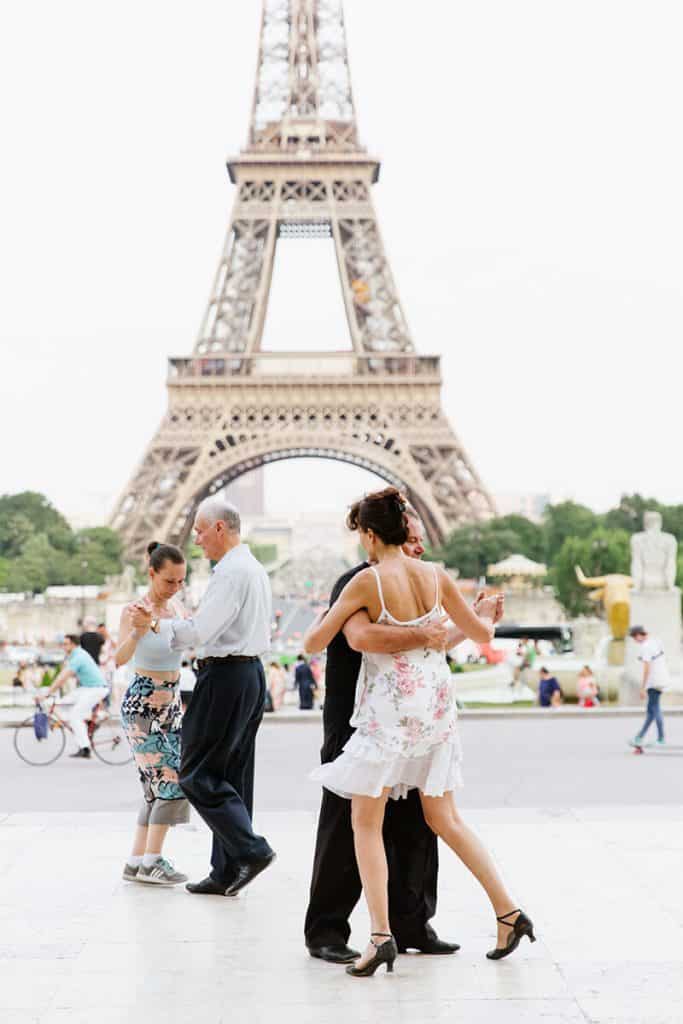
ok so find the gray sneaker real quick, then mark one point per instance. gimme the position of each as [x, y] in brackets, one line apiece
[130, 873]
[161, 872]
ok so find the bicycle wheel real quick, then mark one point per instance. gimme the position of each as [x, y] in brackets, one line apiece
[39, 752]
[109, 742]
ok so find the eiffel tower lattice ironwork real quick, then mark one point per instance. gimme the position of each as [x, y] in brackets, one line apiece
[233, 407]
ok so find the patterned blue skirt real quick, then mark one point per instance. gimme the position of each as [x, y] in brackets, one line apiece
[151, 716]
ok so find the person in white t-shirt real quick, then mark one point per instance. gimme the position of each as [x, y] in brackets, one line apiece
[655, 680]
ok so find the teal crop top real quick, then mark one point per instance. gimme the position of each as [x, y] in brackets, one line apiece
[154, 654]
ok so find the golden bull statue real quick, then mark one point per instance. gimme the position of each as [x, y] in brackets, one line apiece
[614, 592]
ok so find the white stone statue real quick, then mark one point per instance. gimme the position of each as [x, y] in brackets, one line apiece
[653, 556]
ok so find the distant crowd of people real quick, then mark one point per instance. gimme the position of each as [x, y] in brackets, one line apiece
[303, 676]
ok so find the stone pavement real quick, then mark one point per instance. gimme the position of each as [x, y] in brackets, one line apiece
[78, 944]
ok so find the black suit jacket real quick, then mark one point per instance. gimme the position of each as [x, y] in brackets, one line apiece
[341, 674]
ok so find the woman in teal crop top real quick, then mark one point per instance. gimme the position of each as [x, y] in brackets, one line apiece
[151, 715]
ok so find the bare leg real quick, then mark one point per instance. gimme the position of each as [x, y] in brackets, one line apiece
[140, 841]
[442, 817]
[155, 838]
[367, 817]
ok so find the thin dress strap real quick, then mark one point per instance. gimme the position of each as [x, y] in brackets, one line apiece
[379, 588]
[436, 584]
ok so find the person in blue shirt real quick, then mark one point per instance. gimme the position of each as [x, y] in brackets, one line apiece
[91, 688]
[549, 692]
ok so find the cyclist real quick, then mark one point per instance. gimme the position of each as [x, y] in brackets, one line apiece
[91, 689]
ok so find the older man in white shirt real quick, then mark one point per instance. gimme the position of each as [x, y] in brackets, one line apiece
[230, 630]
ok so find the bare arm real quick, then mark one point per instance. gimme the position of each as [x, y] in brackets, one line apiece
[454, 636]
[64, 674]
[492, 607]
[128, 637]
[479, 629]
[326, 626]
[363, 634]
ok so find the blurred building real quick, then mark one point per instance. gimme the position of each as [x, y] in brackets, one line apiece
[272, 532]
[247, 493]
[531, 506]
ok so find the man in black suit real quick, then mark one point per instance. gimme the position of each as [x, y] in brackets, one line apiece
[410, 844]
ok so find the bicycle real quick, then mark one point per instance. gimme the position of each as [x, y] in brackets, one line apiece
[105, 733]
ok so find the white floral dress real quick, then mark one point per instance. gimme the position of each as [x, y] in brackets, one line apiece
[405, 716]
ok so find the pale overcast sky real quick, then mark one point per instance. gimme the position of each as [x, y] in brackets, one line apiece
[530, 200]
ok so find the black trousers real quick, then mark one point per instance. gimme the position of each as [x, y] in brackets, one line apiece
[217, 760]
[412, 858]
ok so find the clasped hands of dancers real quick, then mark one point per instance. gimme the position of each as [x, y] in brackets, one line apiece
[391, 753]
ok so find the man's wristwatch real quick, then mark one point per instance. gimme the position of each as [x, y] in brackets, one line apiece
[154, 625]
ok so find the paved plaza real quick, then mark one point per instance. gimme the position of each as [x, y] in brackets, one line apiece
[599, 876]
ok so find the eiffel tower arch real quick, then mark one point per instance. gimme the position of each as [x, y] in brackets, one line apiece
[231, 405]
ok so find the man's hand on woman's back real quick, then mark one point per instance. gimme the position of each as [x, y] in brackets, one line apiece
[436, 633]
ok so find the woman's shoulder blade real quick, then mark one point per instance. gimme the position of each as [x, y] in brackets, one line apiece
[344, 579]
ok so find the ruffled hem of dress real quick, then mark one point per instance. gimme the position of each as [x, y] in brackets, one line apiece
[365, 769]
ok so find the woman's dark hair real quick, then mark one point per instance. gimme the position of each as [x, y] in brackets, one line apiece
[74, 638]
[161, 553]
[383, 512]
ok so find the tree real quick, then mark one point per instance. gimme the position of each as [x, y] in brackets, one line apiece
[101, 549]
[604, 551]
[568, 519]
[42, 516]
[30, 572]
[38, 548]
[628, 515]
[672, 520]
[531, 536]
[472, 548]
[5, 567]
[15, 530]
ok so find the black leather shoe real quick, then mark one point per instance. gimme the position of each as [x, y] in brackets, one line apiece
[83, 752]
[207, 887]
[246, 873]
[430, 947]
[340, 954]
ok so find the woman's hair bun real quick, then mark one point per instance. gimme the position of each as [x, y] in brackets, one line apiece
[160, 553]
[383, 512]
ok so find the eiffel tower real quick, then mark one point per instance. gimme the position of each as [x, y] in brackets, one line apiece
[233, 407]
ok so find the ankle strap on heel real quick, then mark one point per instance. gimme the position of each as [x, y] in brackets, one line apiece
[381, 935]
[509, 914]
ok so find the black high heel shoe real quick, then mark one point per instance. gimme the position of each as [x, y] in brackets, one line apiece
[386, 954]
[522, 926]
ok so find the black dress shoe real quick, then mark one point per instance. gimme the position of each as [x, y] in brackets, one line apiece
[246, 873]
[82, 752]
[340, 954]
[430, 947]
[207, 887]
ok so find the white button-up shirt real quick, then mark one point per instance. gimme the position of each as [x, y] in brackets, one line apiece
[235, 614]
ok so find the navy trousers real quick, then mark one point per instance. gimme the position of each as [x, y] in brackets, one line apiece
[217, 760]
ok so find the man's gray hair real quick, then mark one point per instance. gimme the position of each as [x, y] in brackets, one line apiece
[217, 509]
